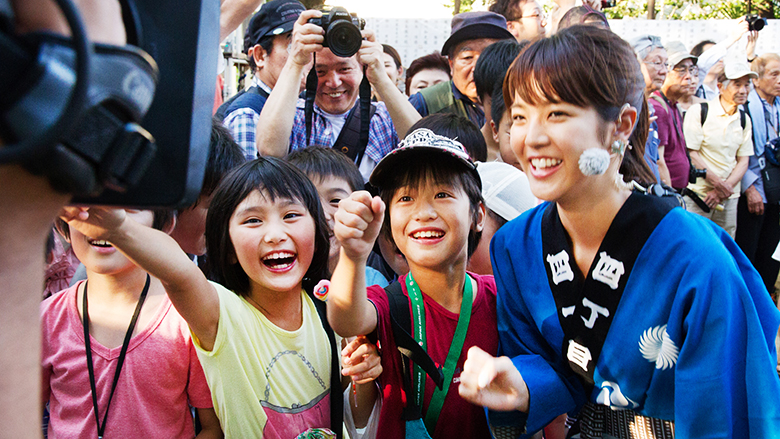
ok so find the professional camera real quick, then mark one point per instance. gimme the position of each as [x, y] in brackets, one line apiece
[755, 23]
[342, 31]
[694, 173]
[608, 4]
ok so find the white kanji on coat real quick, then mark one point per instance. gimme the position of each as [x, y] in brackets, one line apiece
[559, 265]
[595, 310]
[579, 355]
[608, 270]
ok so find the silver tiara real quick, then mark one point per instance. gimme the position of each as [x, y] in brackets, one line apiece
[426, 137]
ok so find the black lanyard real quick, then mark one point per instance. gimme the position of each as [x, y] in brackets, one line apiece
[120, 361]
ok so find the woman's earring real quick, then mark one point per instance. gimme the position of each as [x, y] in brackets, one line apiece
[619, 147]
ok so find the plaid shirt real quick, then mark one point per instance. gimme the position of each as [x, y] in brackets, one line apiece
[243, 124]
[382, 137]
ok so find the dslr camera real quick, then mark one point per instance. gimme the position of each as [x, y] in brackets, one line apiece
[755, 23]
[342, 31]
[694, 173]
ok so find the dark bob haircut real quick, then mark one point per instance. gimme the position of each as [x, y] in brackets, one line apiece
[277, 179]
[430, 166]
[324, 162]
[431, 61]
[584, 66]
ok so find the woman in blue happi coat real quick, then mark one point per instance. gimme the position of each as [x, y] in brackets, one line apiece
[616, 307]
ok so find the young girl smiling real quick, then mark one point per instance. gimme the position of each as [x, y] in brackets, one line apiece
[259, 338]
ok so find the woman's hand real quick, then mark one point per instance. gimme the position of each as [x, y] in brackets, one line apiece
[493, 382]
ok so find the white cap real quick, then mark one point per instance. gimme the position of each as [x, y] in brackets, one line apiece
[736, 70]
[505, 189]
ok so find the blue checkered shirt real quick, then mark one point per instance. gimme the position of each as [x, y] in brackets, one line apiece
[382, 137]
[242, 123]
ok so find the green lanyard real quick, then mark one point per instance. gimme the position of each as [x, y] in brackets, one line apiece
[418, 314]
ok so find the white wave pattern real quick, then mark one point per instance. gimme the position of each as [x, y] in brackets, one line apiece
[657, 347]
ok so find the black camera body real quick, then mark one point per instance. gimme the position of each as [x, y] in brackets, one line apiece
[608, 4]
[755, 23]
[342, 31]
[694, 173]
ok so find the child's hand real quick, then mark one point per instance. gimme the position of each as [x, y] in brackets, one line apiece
[94, 222]
[357, 224]
[360, 360]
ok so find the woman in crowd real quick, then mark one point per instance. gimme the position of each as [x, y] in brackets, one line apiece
[607, 308]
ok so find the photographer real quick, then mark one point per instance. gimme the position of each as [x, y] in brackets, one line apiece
[718, 137]
[758, 230]
[282, 126]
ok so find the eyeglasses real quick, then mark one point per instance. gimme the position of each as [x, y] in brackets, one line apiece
[680, 70]
[656, 64]
[536, 15]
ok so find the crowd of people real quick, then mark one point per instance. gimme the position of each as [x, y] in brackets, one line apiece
[540, 230]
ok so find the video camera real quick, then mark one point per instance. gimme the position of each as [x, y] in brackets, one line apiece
[342, 31]
[126, 126]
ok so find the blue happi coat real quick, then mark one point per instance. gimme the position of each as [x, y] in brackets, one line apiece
[692, 339]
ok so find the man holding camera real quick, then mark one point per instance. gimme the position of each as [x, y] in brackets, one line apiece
[282, 124]
[265, 43]
[471, 33]
[758, 220]
[718, 135]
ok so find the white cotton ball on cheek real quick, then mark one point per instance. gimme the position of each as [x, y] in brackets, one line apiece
[594, 161]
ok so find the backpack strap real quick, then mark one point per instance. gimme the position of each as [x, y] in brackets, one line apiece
[222, 111]
[705, 108]
[401, 322]
[336, 395]
[742, 119]
[660, 100]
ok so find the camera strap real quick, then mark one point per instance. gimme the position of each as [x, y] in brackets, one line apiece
[352, 140]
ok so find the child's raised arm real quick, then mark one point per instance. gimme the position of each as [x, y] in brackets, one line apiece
[357, 224]
[159, 255]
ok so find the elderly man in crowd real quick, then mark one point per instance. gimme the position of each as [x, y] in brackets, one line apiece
[758, 221]
[652, 60]
[471, 33]
[718, 135]
[673, 162]
[336, 111]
